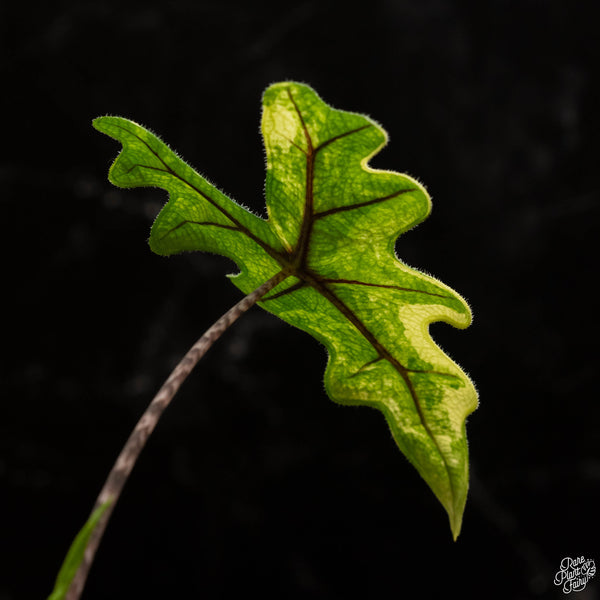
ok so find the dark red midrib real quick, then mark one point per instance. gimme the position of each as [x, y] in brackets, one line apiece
[301, 254]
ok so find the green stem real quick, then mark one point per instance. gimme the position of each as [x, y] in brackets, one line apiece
[124, 464]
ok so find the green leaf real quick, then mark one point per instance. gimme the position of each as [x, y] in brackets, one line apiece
[332, 226]
[75, 554]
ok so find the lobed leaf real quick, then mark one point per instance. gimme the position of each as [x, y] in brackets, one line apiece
[332, 225]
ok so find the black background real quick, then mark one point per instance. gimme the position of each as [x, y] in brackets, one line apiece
[255, 482]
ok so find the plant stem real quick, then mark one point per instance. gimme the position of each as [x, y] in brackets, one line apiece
[124, 464]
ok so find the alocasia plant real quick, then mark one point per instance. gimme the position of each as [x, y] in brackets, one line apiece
[324, 261]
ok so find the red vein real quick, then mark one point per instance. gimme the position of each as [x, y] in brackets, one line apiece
[381, 285]
[300, 255]
[396, 364]
[188, 222]
[301, 252]
[292, 142]
[367, 364]
[292, 288]
[335, 138]
[278, 256]
[338, 209]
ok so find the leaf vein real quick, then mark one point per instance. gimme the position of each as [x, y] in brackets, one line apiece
[383, 352]
[381, 285]
[190, 222]
[299, 269]
[339, 209]
[335, 138]
[278, 256]
[298, 285]
[301, 252]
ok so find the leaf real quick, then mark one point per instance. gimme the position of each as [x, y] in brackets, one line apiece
[75, 554]
[332, 226]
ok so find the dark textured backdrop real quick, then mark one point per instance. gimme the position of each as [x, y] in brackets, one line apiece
[255, 483]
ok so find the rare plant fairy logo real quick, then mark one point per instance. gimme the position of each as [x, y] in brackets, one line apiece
[574, 573]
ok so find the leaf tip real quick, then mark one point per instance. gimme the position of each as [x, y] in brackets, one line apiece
[455, 512]
[455, 526]
[99, 123]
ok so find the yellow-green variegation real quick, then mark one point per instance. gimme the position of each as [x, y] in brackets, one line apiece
[331, 228]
